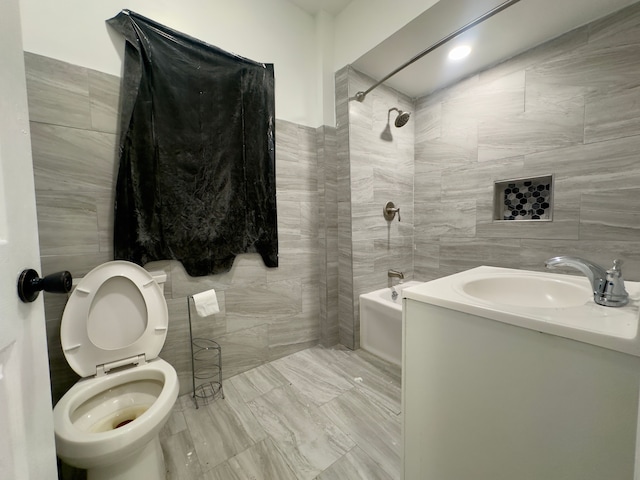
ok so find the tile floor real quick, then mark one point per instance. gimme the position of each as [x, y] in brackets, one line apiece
[322, 413]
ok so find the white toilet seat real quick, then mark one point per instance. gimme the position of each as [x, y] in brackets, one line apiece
[116, 316]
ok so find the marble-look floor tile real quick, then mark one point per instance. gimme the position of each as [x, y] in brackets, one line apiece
[381, 387]
[355, 465]
[374, 429]
[393, 371]
[317, 382]
[306, 437]
[303, 422]
[257, 381]
[221, 429]
[244, 417]
[268, 429]
[261, 461]
[329, 355]
[175, 424]
[310, 459]
[180, 456]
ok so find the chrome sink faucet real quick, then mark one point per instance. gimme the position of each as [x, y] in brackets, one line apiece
[608, 285]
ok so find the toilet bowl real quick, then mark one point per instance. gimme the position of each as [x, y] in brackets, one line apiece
[113, 327]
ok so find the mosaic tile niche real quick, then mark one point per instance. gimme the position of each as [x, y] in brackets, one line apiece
[524, 199]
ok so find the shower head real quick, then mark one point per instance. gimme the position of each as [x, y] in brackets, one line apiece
[402, 118]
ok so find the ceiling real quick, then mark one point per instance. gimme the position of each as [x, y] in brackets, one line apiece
[334, 7]
[518, 28]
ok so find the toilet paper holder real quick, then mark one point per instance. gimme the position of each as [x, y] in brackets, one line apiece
[206, 365]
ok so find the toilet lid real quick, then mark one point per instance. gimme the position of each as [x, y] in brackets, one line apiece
[116, 312]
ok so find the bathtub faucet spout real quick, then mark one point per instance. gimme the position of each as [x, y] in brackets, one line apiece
[395, 274]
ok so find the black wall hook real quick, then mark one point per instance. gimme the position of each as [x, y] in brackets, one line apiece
[30, 284]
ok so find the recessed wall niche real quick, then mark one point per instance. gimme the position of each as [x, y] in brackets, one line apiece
[523, 199]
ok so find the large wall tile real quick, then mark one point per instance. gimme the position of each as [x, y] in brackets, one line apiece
[602, 252]
[579, 123]
[610, 214]
[458, 254]
[104, 92]
[446, 219]
[67, 159]
[597, 70]
[605, 165]
[609, 117]
[259, 304]
[620, 28]
[75, 120]
[67, 223]
[529, 132]
[542, 53]
[380, 169]
[77, 264]
[476, 180]
[58, 92]
[244, 350]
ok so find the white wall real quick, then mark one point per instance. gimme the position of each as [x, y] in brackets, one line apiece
[365, 23]
[306, 51]
[326, 74]
[273, 31]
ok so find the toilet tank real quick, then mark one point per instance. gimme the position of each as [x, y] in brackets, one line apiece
[160, 277]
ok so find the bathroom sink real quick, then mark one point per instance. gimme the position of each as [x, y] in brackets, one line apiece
[546, 302]
[527, 291]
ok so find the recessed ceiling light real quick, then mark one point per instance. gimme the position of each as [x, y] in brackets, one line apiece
[459, 52]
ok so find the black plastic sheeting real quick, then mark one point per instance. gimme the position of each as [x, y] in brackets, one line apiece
[196, 181]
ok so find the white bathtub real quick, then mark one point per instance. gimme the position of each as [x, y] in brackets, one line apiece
[381, 322]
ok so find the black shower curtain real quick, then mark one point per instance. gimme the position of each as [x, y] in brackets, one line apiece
[196, 181]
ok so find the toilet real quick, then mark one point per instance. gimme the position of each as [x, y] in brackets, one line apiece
[113, 328]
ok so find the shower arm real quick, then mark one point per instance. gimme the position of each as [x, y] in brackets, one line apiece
[360, 96]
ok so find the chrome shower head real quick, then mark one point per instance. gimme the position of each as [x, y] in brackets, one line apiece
[402, 118]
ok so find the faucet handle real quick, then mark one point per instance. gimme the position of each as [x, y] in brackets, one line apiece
[615, 272]
[614, 292]
[389, 211]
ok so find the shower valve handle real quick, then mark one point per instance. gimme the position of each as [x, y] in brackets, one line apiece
[389, 211]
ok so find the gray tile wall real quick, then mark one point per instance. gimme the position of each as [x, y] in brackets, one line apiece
[570, 108]
[376, 165]
[266, 313]
[328, 234]
[345, 264]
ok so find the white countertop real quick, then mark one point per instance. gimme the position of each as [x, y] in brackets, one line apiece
[608, 327]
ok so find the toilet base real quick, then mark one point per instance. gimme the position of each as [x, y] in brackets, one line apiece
[147, 463]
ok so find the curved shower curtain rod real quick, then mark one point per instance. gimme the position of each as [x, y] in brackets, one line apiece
[360, 96]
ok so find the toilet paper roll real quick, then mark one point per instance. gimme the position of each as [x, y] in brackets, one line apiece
[206, 303]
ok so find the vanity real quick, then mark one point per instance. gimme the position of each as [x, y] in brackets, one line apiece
[518, 375]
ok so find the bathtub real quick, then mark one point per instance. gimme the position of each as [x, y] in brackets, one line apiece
[381, 322]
